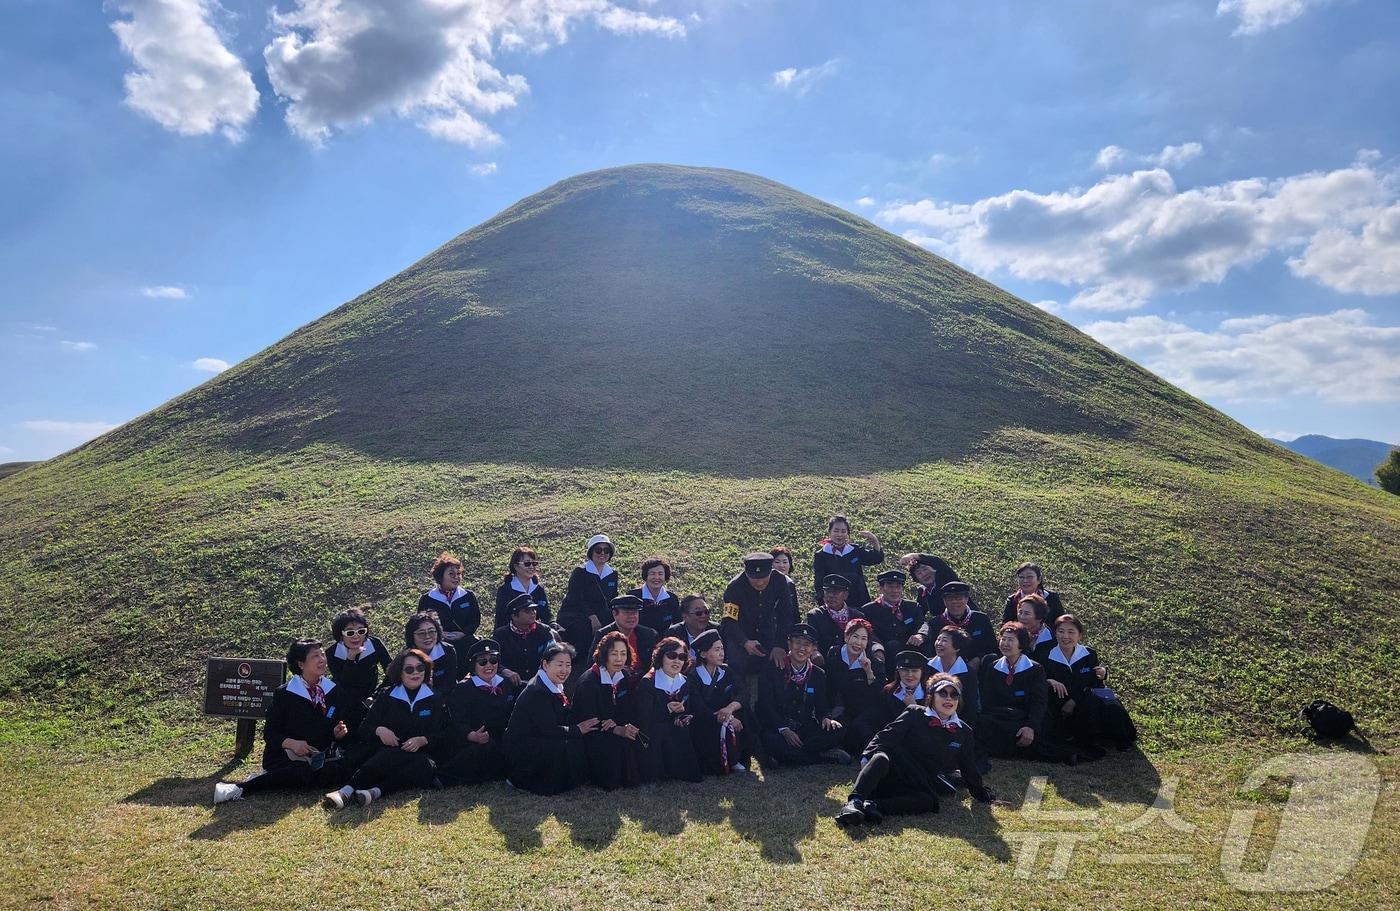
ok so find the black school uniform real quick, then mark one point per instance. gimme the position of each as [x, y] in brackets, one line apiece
[678, 631]
[475, 704]
[752, 614]
[787, 700]
[520, 652]
[1055, 606]
[831, 634]
[1094, 717]
[915, 759]
[612, 758]
[294, 715]
[894, 625]
[848, 563]
[359, 678]
[971, 707]
[717, 747]
[1008, 706]
[544, 750]
[854, 700]
[511, 589]
[977, 626]
[930, 597]
[670, 753]
[658, 613]
[421, 714]
[642, 641]
[1041, 645]
[444, 658]
[588, 595]
[461, 614]
[891, 704]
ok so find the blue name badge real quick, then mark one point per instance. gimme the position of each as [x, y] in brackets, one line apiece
[908, 620]
[331, 712]
[955, 744]
[977, 632]
[811, 689]
[425, 713]
[855, 561]
[1020, 692]
[1086, 670]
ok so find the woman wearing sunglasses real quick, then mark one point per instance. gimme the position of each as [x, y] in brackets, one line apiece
[664, 715]
[543, 746]
[925, 753]
[458, 612]
[588, 599]
[424, 632]
[608, 691]
[404, 723]
[480, 707]
[522, 578]
[355, 662]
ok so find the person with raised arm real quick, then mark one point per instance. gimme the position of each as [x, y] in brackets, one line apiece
[930, 574]
[543, 743]
[838, 555]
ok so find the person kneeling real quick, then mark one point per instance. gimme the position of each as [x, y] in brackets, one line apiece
[925, 752]
[793, 707]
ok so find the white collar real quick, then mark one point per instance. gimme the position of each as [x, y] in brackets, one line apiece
[705, 677]
[667, 683]
[495, 681]
[612, 679]
[827, 548]
[437, 652]
[1022, 664]
[1079, 652]
[959, 666]
[646, 593]
[606, 571]
[515, 584]
[1044, 635]
[954, 720]
[550, 685]
[399, 692]
[899, 692]
[846, 657]
[365, 650]
[438, 595]
[298, 685]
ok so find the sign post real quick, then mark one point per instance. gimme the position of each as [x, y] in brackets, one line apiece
[242, 688]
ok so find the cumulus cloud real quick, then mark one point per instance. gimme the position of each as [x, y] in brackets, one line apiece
[78, 346]
[73, 431]
[165, 292]
[1111, 157]
[338, 63]
[1132, 236]
[186, 79]
[486, 169]
[801, 81]
[210, 365]
[1257, 16]
[866, 202]
[1338, 357]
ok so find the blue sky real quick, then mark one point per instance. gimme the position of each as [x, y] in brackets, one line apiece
[1211, 187]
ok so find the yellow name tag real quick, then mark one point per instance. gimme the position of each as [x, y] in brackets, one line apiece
[731, 610]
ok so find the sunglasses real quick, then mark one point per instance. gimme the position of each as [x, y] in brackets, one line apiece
[947, 692]
[414, 669]
[355, 633]
[529, 562]
[482, 662]
[673, 656]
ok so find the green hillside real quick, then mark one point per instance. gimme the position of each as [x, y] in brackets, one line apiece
[698, 362]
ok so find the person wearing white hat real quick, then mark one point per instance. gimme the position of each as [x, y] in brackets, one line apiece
[587, 601]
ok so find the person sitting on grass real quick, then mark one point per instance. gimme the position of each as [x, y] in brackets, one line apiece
[660, 608]
[406, 721]
[720, 727]
[457, 609]
[830, 617]
[1080, 704]
[924, 754]
[627, 617]
[355, 662]
[1030, 580]
[608, 691]
[424, 632]
[948, 648]
[895, 618]
[1030, 613]
[959, 611]
[1015, 694]
[522, 640]
[793, 708]
[907, 688]
[544, 748]
[479, 707]
[304, 731]
[855, 681]
[522, 578]
[664, 715]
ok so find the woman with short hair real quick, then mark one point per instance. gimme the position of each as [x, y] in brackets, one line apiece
[459, 614]
[1014, 700]
[664, 715]
[837, 555]
[1030, 580]
[424, 632]
[543, 746]
[1081, 705]
[608, 691]
[587, 605]
[719, 730]
[660, 608]
[948, 648]
[855, 680]
[522, 578]
[355, 662]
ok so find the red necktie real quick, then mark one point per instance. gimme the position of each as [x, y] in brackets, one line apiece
[494, 690]
[318, 698]
[1010, 673]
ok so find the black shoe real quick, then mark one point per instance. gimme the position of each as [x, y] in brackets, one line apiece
[1092, 752]
[1071, 758]
[851, 815]
[873, 816]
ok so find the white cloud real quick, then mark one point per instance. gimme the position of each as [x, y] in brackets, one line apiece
[1132, 236]
[1287, 436]
[78, 346]
[485, 169]
[866, 202]
[339, 63]
[1261, 15]
[1111, 157]
[38, 328]
[186, 79]
[166, 292]
[1338, 357]
[75, 431]
[801, 81]
[210, 365]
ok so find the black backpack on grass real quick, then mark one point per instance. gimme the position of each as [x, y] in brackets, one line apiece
[1327, 719]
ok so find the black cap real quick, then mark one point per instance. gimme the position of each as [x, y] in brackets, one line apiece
[839, 583]
[520, 603]
[956, 587]
[626, 602]
[891, 575]
[483, 647]
[803, 631]
[705, 641]
[758, 563]
[908, 660]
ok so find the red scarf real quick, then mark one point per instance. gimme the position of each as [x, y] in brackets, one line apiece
[494, 690]
[793, 676]
[960, 624]
[318, 697]
[527, 633]
[949, 726]
[895, 609]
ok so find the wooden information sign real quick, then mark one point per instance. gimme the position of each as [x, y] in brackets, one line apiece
[242, 688]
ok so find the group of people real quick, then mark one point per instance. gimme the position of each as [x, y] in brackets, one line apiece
[624, 686]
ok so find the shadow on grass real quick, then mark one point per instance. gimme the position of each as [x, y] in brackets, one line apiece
[240, 815]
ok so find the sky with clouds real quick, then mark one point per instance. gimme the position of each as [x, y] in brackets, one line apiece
[1210, 187]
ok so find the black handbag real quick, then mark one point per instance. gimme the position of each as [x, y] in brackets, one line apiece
[1327, 719]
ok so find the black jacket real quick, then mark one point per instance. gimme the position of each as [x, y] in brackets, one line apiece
[923, 750]
[462, 615]
[540, 721]
[752, 614]
[293, 715]
[930, 598]
[1077, 676]
[522, 653]
[783, 703]
[851, 566]
[1054, 604]
[850, 694]
[892, 630]
[678, 631]
[646, 644]
[474, 706]
[981, 637]
[595, 699]
[1022, 701]
[359, 677]
[588, 596]
[425, 717]
[507, 593]
[658, 614]
[828, 635]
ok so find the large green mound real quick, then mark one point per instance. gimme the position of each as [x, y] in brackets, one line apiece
[698, 362]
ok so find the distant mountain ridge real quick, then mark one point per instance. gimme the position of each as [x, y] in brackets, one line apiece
[1356, 457]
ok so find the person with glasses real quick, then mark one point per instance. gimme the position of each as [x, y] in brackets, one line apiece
[794, 710]
[838, 555]
[926, 753]
[660, 608]
[356, 661]
[627, 615]
[459, 614]
[695, 619]
[405, 723]
[1030, 580]
[543, 744]
[720, 726]
[592, 586]
[522, 578]
[424, 632]
[664, 715]
[856, 680]
[478, 709]
[303, 733]
[522, 640]
[607, 691]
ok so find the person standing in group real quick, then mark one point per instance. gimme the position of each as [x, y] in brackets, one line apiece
[838, 555]
[783, 563]
[522, 640]
[355, 662]
[424, 632]
[608, 691]
[592, 586]
[543, 745]
[829, 618]
[754, 601]
[627, 614]
[660, 608]
[958, 611]
[664, 715]
[896, 619]
[1030, 580]
[522, 578]
[479, 708]
[459, 614]
[720, 729]
[794, 711]
[695, 619]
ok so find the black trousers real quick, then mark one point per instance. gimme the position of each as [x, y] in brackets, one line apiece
[473, 764]
[299, 776]
[395, 770]
[815, 741]
[894, 789]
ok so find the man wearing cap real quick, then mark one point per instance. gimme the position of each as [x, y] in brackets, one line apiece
[896, 619]
[522, 640]
[794, 710]
[627, 616]
[957, 611]
[479, 708]
[830, 617]
[754, 602]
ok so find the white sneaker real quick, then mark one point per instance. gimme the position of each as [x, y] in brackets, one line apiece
[738, 767]
[364, 798]
[335, 800]
[225, 791]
